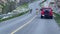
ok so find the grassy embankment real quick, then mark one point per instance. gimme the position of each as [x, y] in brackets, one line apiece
[57, 18]
[24, 5]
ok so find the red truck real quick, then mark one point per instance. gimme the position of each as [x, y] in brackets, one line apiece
[46, 13]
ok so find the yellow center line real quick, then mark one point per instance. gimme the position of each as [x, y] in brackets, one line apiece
[23, 25]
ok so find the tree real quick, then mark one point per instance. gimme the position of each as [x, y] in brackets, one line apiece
[8, 7]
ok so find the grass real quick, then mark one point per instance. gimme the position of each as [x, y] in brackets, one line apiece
[57, 18]
[22, 6]
[25, 5]
[1, 20]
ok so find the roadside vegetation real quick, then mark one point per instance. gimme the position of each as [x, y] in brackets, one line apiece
[57, 18]
[43, 1]
[12, 7]
[19, 14]
[1, 20]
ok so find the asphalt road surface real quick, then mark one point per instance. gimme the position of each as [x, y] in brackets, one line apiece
[30, 24]
[40, 26]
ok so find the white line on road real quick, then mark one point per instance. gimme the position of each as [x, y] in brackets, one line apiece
[23, 25]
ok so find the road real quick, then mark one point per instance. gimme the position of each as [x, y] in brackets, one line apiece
[40, 26]
[30, 24]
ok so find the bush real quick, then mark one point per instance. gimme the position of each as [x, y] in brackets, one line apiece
[57, 18]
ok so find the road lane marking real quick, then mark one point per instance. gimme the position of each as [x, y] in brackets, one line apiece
[23, 25]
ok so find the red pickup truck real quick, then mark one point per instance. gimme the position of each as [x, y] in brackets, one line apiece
[46, 13]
